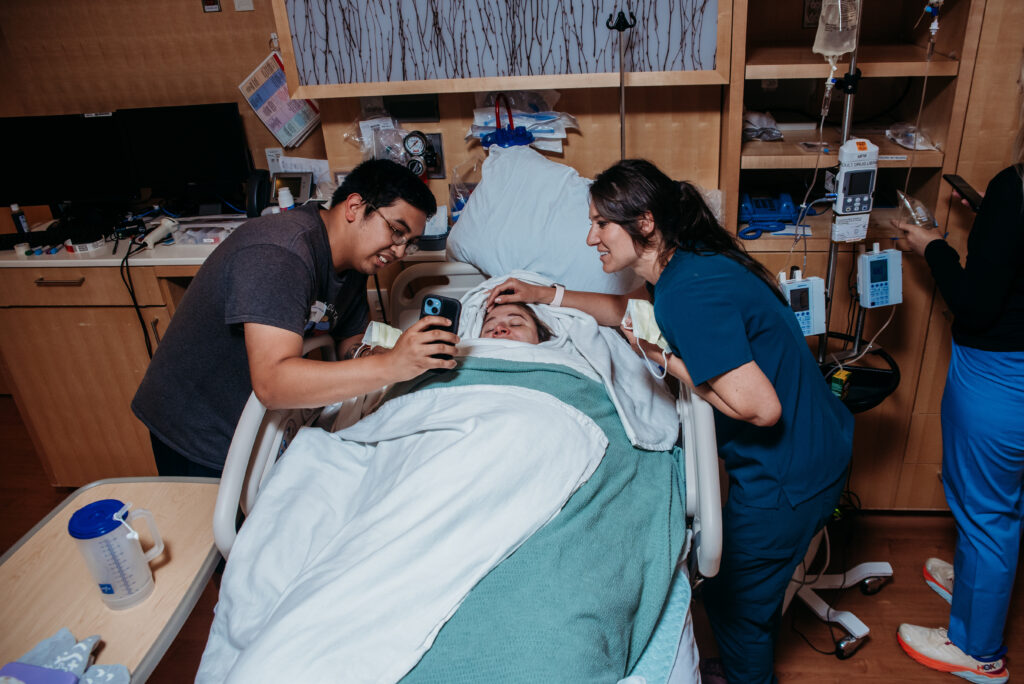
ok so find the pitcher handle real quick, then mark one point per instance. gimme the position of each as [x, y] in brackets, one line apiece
[158, 542]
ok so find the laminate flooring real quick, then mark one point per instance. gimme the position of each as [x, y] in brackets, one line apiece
[904, 540]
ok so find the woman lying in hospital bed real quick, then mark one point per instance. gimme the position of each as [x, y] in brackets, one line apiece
[518, 519]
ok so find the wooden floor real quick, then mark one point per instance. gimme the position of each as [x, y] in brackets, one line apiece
[903, 540]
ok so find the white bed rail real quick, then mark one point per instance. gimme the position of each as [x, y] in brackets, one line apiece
[404, 309]
[703, 492]
[258, 441]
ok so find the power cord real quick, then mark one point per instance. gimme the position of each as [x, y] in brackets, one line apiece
[135, 245]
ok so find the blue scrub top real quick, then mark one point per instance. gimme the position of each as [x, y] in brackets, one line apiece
[717, 315]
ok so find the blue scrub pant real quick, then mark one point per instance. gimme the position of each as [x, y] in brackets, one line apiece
[761, 549]
[983, 475]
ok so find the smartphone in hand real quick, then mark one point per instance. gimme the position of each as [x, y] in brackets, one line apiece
[446, 307]
[965, 190]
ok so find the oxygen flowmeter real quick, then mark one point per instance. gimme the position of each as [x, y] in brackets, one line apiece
[853, 184]
[807, 300]
[880, 277]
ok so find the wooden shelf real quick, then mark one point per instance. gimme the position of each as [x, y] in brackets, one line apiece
[879, 230]
[874, 61]
[788, 154]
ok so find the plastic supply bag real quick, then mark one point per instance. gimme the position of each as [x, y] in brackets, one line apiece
[760, 126]
[903, 134]
[465, 177]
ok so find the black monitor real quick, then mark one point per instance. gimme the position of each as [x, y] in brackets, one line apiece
[75, 158]
[192, 153]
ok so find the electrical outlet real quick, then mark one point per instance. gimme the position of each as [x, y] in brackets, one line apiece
[211, 5]
[375, 311]
[244, 6]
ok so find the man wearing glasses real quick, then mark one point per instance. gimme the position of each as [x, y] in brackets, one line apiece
[275, 281]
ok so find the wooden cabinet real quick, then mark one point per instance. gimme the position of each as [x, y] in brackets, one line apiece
[74, 350]
[897, 453]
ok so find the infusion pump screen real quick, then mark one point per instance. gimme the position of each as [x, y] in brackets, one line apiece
[799, 299]
[879, 270]
[859, 183]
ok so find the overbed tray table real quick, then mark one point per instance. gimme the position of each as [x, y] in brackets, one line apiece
[45, 585]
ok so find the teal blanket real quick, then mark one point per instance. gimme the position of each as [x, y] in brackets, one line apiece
[580, 599]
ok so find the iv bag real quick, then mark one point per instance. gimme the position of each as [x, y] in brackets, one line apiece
[837, 28]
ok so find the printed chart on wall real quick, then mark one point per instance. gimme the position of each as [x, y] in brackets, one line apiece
[266, 91]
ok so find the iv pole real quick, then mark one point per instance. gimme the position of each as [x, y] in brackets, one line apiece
[849, 84]
[622, 25]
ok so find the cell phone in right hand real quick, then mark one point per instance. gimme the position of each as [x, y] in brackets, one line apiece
[447, 307]
[965, 190]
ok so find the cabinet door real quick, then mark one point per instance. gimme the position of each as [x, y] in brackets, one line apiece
[74, 371]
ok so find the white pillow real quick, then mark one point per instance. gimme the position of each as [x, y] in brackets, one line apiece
[533, 214]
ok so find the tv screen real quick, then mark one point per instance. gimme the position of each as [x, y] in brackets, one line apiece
[194, 149]
[68, 158]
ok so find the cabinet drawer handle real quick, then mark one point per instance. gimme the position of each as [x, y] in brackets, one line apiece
[43, 282]
[156, 333]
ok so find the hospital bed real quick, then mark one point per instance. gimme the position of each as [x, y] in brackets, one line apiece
[263, 436]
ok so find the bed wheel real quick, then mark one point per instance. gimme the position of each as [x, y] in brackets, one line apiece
[872, 585]
[847, 646]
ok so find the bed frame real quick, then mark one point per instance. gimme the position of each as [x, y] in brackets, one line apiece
[261, 436]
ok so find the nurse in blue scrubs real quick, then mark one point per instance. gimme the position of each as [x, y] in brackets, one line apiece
[785, 438]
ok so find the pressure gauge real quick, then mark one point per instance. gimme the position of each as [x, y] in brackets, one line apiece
[415, 143]
[416, 165]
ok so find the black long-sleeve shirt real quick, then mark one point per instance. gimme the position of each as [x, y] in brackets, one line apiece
[986, 296]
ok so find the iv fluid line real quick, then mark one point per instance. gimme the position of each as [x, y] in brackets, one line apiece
[826, 103]
[933, 29]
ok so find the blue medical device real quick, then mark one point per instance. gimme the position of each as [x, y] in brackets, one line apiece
[765, 214]
[880, 277]
[506, 137]
[807, 300]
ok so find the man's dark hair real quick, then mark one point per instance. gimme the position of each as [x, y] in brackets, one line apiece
[381, 181]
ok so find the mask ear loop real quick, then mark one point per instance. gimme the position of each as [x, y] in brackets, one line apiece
[663, 369]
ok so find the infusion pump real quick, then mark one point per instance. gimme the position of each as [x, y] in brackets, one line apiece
[880, 277]
[807, 300]
[855, 180]
[853, 184]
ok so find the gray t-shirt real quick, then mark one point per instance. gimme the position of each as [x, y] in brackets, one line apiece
[275, 270]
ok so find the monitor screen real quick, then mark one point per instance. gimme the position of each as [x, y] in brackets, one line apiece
[879, 270]
[67, 158]
[201, 148]
[859, 182]
[799, 299]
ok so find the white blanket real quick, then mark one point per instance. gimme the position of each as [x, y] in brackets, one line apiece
[364, 542]
[645, 406]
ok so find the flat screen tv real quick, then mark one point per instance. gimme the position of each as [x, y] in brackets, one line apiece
[182, 157]
[63, 159]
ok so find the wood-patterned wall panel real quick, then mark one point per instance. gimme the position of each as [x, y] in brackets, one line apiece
[68, 57]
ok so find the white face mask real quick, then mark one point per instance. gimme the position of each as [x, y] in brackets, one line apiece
[379, 335]
[639, 320]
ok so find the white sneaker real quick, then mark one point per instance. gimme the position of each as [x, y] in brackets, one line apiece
[932, 648]
[938, 574]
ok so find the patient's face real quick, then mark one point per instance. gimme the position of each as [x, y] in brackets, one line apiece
[510, 322]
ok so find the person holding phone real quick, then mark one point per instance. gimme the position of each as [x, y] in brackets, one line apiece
[982, 430]
[785, 438]
[273, 282]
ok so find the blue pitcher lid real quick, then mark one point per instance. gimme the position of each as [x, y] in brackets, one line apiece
[95, 519]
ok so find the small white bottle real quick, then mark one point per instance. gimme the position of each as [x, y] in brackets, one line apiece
[20, 222]
[285, 200]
